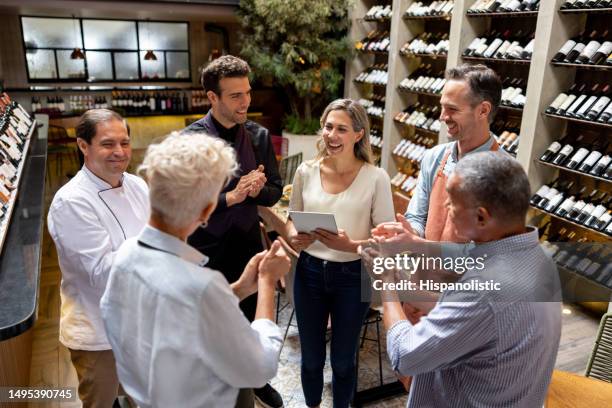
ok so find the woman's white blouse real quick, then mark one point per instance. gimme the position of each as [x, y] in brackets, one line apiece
[364, 204]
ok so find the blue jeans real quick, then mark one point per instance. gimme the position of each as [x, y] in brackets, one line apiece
[323, 288]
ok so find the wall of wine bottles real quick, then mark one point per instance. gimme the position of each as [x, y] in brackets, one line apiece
[129, 102]
[16, 128]
[555, 60]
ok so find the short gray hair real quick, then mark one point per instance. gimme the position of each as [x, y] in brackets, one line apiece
[495, 181]
[185, 173]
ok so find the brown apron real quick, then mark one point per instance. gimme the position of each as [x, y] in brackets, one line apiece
[437, 227]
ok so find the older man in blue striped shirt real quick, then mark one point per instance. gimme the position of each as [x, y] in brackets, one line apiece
[483, 348]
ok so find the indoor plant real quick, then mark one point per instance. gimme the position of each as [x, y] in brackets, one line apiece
[299, 45]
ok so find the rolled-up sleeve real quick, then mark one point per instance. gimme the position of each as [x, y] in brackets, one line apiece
[450, 331]
[242, 354]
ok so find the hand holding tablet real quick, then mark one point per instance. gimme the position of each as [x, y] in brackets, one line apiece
[309, 221]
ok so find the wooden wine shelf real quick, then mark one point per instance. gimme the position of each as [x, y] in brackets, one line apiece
[583, 66]
[586, 10]
[404, 90]
[605, 180]
[582, 227]
[498, 60]
[418, 129]
[369, 52]
[504, 14]
[433, 56]
[370, 83]
[603, 292]
[588, 122]
[511, 108]
[439, 17]
[377, 20]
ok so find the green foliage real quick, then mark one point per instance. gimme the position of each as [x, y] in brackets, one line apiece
[299, 126]
[300, 45]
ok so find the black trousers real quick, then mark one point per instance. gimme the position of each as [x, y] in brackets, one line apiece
[229, 255]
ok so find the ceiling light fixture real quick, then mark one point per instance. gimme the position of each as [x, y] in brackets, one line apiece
[77, 53]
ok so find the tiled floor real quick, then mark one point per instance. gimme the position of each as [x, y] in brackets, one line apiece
[51, 362]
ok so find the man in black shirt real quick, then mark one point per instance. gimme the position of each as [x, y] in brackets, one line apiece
[232, 235]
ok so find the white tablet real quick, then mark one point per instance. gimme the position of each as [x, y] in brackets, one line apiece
[310, 221]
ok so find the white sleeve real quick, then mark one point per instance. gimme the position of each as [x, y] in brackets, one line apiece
[296, 202]
[243, 355]
[382, 202]
[81, 238]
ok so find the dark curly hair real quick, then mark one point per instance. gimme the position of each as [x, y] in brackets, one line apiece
[226, 66]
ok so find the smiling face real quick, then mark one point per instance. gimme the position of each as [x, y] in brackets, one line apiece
[462, 118]
[231, 105]
[338, 134]
[108, 155]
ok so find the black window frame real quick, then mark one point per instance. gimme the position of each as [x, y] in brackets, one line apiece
[112, 52]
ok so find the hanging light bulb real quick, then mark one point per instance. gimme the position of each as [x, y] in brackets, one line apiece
[77, 53]
[150, 56]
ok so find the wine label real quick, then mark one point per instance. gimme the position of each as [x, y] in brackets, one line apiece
[577, 103]
[578, 206]
[587, 209]
[604, 161]
[592, 158]
[542, 191]
[586, 106]
[567, 150]
[492, 48]
[598, 211]
[513, 5]
[568, 101]
[579, 155]
[606, 48]
[554, 147]
[590, 49]
[558, 101]
[605, 218]
[567, 47]
[529, 47]
[475, 42]
[579, 47]
[567, 204]
[599, 105]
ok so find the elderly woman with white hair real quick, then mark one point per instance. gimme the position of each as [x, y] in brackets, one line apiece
[178, 336]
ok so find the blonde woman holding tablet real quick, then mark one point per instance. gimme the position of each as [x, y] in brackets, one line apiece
[342, 181]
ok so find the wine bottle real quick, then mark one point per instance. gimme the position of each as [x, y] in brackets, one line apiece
[564, 208]
[566, 151]
[555, 200]
[589, 207]
[596, 153]
[551, 151]
[599, 210]
[601, 166]
[566, 48]
[601, 54]
[580, 100]
[579, 47]
[581, 202]
[591, 48]
[569, 101]
[539, 195]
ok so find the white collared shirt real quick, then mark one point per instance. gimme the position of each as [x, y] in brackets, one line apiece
[178, 335]
[88, 220]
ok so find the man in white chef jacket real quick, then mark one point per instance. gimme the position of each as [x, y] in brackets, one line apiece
[89, 218]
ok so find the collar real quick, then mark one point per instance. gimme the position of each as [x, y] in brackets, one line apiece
[161, 241]
[515, 243]
[228, 134]
[97, 181]
[485, 147]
